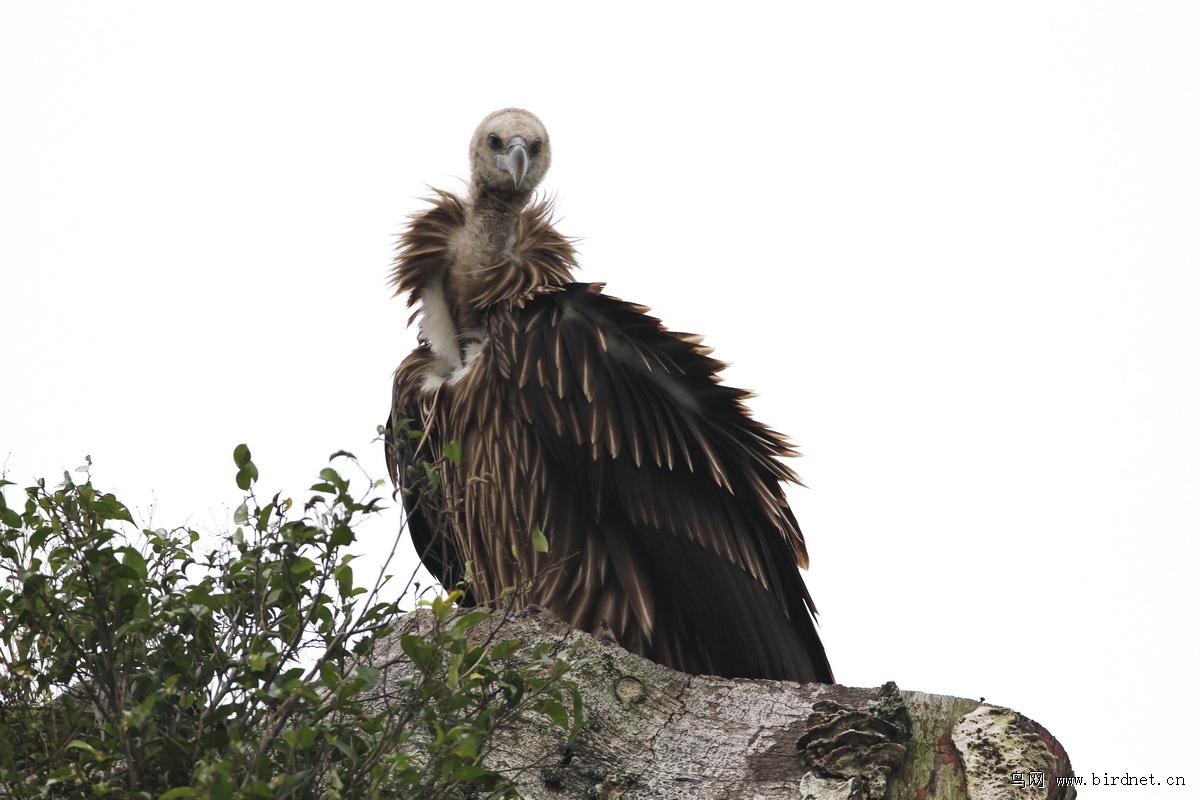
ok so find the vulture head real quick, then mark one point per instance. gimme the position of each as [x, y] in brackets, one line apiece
[510, 153]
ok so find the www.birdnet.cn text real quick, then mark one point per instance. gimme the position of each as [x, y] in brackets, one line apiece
[1038, 780]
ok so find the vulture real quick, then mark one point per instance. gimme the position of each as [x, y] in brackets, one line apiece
[557, 446]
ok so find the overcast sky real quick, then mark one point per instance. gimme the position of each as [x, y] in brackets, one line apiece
[954, 248]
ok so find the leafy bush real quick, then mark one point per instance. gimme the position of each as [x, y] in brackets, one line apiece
[138, 663]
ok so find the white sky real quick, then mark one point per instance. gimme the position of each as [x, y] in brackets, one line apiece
[953, 247]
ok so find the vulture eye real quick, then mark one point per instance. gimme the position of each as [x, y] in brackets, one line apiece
[536, 147]
[494, 142]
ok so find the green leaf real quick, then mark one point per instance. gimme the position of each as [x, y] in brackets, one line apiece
[222, 786]
[60, 774]
[470, 772]
[303, 565]
[38, 538]
[133, 559]
[300, 738]
[418, 649]
[452, 451]
[345, 580]
[431, 475]
[10, 517]
[466, 747]
[330, 675]
[109, 507]
[246, 476]
[369, 675]
[79, 744]
[540, 545]
[471, 619]
[241, 455]
[555, 711]
[505, 649]
[342, 535]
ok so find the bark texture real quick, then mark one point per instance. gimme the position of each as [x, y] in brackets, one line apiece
[657, 733]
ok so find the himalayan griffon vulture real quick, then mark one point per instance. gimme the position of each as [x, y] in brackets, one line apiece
[599, 464]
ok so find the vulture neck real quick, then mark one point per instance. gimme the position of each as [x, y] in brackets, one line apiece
[455, 325]
[492, 220]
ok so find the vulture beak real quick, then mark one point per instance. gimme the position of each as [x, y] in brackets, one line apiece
[515, 161]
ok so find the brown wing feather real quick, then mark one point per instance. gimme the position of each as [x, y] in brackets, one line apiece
[679, 483]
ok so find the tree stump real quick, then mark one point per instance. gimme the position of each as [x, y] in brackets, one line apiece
[656, 733]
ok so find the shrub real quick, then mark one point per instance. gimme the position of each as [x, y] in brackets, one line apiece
[151, 664]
